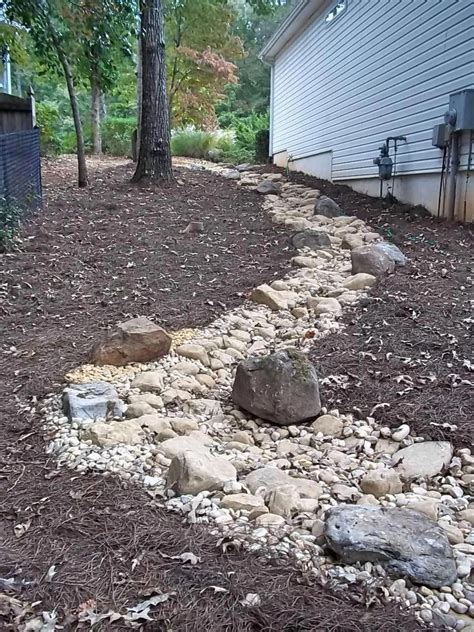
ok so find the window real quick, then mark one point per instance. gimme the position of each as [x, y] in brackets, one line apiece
[335, 11]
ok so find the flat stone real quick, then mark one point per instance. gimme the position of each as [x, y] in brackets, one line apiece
[360, 281]
[310, 238]
[193, 352]
[325, 306]
[266, 479]
[406, 542]
[108, 435]
[157, 425]
[381, 482]
[305, 262]
[284, 501]
[138, 409]
[204, 407]
[281, 387]
[328, 425]
[183, 425]
[386, 446]
[424, 460]
[195, 472]
[149, 381]
[186, 368]
[270, 521]
[274, 299]
[467, 515]
[369, 260]
[136, 340]
[148, 398]
[195, 442]
[91, 401]
[307, 488]
[349, 242]
[242, 502]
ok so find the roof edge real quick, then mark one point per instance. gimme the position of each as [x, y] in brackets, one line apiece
[288, 28]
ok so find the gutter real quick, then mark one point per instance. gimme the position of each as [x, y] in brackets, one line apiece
[265, 53]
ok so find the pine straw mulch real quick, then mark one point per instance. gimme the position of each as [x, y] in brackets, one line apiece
[407, 355]
[93, 544]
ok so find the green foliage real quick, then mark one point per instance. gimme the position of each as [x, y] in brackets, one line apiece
[117, 135]
[10, 215]
[49, 121]
[245, 131]
[200, 144]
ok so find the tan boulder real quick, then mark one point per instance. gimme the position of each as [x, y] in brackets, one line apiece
[136, 340]
[194, 472]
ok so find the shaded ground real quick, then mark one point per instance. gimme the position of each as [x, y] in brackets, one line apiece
[407, 357]
[91, 542]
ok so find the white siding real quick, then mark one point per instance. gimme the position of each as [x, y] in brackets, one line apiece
[382, 68]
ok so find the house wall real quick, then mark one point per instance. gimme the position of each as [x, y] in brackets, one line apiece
[379, 69]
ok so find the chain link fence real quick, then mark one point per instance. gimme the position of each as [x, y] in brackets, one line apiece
[20, 169]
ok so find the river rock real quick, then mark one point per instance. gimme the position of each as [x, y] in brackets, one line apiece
[327, 207]
[381, 482]
[312, 239]
[266, 479]
[149, 382]
[193, 352]
[194, 472]
[406, 542]
[369, 260]
[91, 401]
[284, 501]
[242, 502]
[195, 442]
[424, 460]
[136, 340]
[281, 387]
[328, 425]
[108, 435]
[360, 281]
[274, 299]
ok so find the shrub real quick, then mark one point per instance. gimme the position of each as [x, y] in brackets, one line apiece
[246, 129]
[117, 135]
[201, 144]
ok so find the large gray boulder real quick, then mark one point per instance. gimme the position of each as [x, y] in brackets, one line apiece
[369, 260]
[327, 207]
[281, 387]
[312, 239]
[91, 401]
[136, 340]
[408, 543]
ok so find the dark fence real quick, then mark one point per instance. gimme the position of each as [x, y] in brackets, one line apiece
[16, 114]
[20, 169]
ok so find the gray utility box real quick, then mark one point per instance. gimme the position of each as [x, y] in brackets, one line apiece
[463, 103]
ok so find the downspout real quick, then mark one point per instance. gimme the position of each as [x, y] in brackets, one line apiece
[272, 102]
[453, 173]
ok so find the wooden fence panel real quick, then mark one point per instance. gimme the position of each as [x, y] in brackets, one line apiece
[16, 114]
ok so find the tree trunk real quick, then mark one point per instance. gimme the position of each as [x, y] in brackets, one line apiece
[81, 152]
[154, 158]
[96, 115]
[136, 148]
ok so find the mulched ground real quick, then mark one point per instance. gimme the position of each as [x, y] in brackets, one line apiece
[407, 357]
[90, 259]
